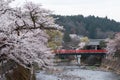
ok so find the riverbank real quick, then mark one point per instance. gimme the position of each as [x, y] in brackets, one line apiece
[111, 65]
[76, 73]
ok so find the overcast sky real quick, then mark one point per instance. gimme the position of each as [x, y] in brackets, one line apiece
[101, 8]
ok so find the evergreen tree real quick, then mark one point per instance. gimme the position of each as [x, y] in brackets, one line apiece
[66, 38]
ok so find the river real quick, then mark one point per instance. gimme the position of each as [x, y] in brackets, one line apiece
[76, 73]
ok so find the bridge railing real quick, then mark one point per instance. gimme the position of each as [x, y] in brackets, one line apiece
[63, 51]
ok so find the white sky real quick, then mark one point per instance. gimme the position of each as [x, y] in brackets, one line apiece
[101, 8]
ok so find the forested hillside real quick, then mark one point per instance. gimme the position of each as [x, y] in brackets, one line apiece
[91, 26]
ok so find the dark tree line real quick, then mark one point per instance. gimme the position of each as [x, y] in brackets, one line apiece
[91, 26]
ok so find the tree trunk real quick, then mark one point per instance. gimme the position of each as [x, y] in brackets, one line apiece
[20, 73]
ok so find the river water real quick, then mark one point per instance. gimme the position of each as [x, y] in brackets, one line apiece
[76, 73]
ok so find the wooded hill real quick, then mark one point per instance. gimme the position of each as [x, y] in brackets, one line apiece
[91, 26]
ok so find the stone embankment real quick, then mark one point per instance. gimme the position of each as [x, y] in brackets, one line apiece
[111, 65]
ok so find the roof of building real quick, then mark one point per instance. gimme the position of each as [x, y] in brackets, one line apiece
[95, 41]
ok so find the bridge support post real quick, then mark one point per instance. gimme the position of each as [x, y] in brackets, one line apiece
[78, 59]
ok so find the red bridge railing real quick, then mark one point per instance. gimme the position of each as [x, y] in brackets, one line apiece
[63, 51]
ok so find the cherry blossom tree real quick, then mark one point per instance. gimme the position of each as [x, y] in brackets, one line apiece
[33, 20]
[113, 45]
[22, 34]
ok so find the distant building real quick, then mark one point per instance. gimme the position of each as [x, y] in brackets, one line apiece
[94, 44]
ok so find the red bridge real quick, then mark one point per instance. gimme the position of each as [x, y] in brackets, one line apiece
[79, 52]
